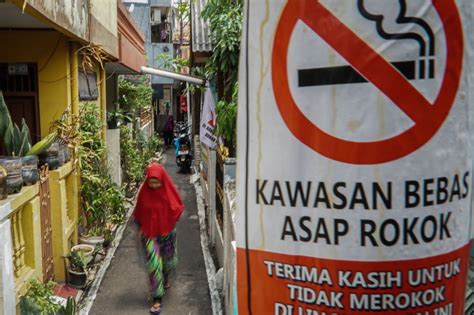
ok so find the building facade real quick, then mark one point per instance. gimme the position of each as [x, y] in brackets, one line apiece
[42, 74]
[155, 19]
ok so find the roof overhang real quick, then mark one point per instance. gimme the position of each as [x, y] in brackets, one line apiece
[12, 17]
[201, 39]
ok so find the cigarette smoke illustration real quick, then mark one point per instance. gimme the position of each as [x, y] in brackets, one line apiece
[427, 47]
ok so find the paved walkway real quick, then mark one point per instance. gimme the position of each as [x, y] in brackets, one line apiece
[124, 289]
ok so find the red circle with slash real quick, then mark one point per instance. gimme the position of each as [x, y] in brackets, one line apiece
[427, 117]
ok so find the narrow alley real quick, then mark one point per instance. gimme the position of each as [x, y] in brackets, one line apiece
[124, 289]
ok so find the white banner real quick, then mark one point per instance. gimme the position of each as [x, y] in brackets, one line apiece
[208, 120]
[354, 158]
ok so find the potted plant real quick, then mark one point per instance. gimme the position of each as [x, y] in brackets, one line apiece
[21, 162]
[77, 269]
[39, 299]
[108, 238]
[86, 248]
[114, 118]
[94, 236]
[69, 309]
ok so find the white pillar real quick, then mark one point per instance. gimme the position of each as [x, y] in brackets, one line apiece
[113, 155]
[7, 286]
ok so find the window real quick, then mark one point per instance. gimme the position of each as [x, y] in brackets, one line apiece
[88, 89]
[155, 15]
[160, 28]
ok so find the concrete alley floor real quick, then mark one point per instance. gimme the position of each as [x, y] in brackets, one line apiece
[124, 289]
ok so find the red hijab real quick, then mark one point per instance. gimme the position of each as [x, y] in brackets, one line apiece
[157, 211]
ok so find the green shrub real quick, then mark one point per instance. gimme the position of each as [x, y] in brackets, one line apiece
[101, 199]
[136, 152]
[39, 300]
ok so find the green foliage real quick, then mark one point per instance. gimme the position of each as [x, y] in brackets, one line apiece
[136, 152]
[38, 300]
[183, 11]
[225, 22]
[79, 260]
[5, 119]
[226, 118]
[173, 64]
[101, 199]
[132, 163]
[16, 141]
[70, 308]
[134, 96]
[118, 116]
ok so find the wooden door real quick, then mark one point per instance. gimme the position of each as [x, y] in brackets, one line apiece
[46, 229]
[23, 107]
[20, 91]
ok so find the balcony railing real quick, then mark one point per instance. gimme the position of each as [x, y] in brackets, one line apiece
[25, 236]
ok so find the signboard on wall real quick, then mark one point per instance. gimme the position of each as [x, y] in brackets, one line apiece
[17, 69]
[354, 163]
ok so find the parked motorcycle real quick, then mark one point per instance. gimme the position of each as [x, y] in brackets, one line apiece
[183, 148]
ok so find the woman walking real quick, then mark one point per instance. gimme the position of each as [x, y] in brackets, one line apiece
[168, 131]
[157, 210]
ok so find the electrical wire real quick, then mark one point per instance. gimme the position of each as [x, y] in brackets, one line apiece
[52, 54]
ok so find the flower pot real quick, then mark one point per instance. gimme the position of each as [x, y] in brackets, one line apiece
[14, 175]
[92, 240]
[88, 249]
[112, 124]
[51, 156]
[3, 183]
[77, 279]
[63, 153]
[29, 170]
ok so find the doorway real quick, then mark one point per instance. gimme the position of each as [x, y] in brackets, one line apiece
[19, 84]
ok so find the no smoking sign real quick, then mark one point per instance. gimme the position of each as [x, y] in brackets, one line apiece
[416, 74]
[357, 165]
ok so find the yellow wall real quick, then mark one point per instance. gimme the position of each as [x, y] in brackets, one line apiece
[57, 67]
[53, 67]
[64, 203]
[25, 219]
[101, 99]
[57, 63]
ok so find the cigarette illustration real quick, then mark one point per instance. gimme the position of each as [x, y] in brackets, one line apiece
[348, 75]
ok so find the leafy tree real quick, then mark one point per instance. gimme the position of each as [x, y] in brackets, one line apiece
[225, 21]
[134, 95]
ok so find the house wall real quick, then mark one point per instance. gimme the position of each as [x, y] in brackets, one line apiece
[58, 63]
[50, 50]
[85, 20]
[104, 25]
[141, 15]
[153, 51]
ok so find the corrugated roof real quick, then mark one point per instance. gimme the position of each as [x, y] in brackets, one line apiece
[201, 40]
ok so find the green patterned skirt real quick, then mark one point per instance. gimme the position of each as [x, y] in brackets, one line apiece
[162, 258]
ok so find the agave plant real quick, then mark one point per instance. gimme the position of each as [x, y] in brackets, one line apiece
[16, 140]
